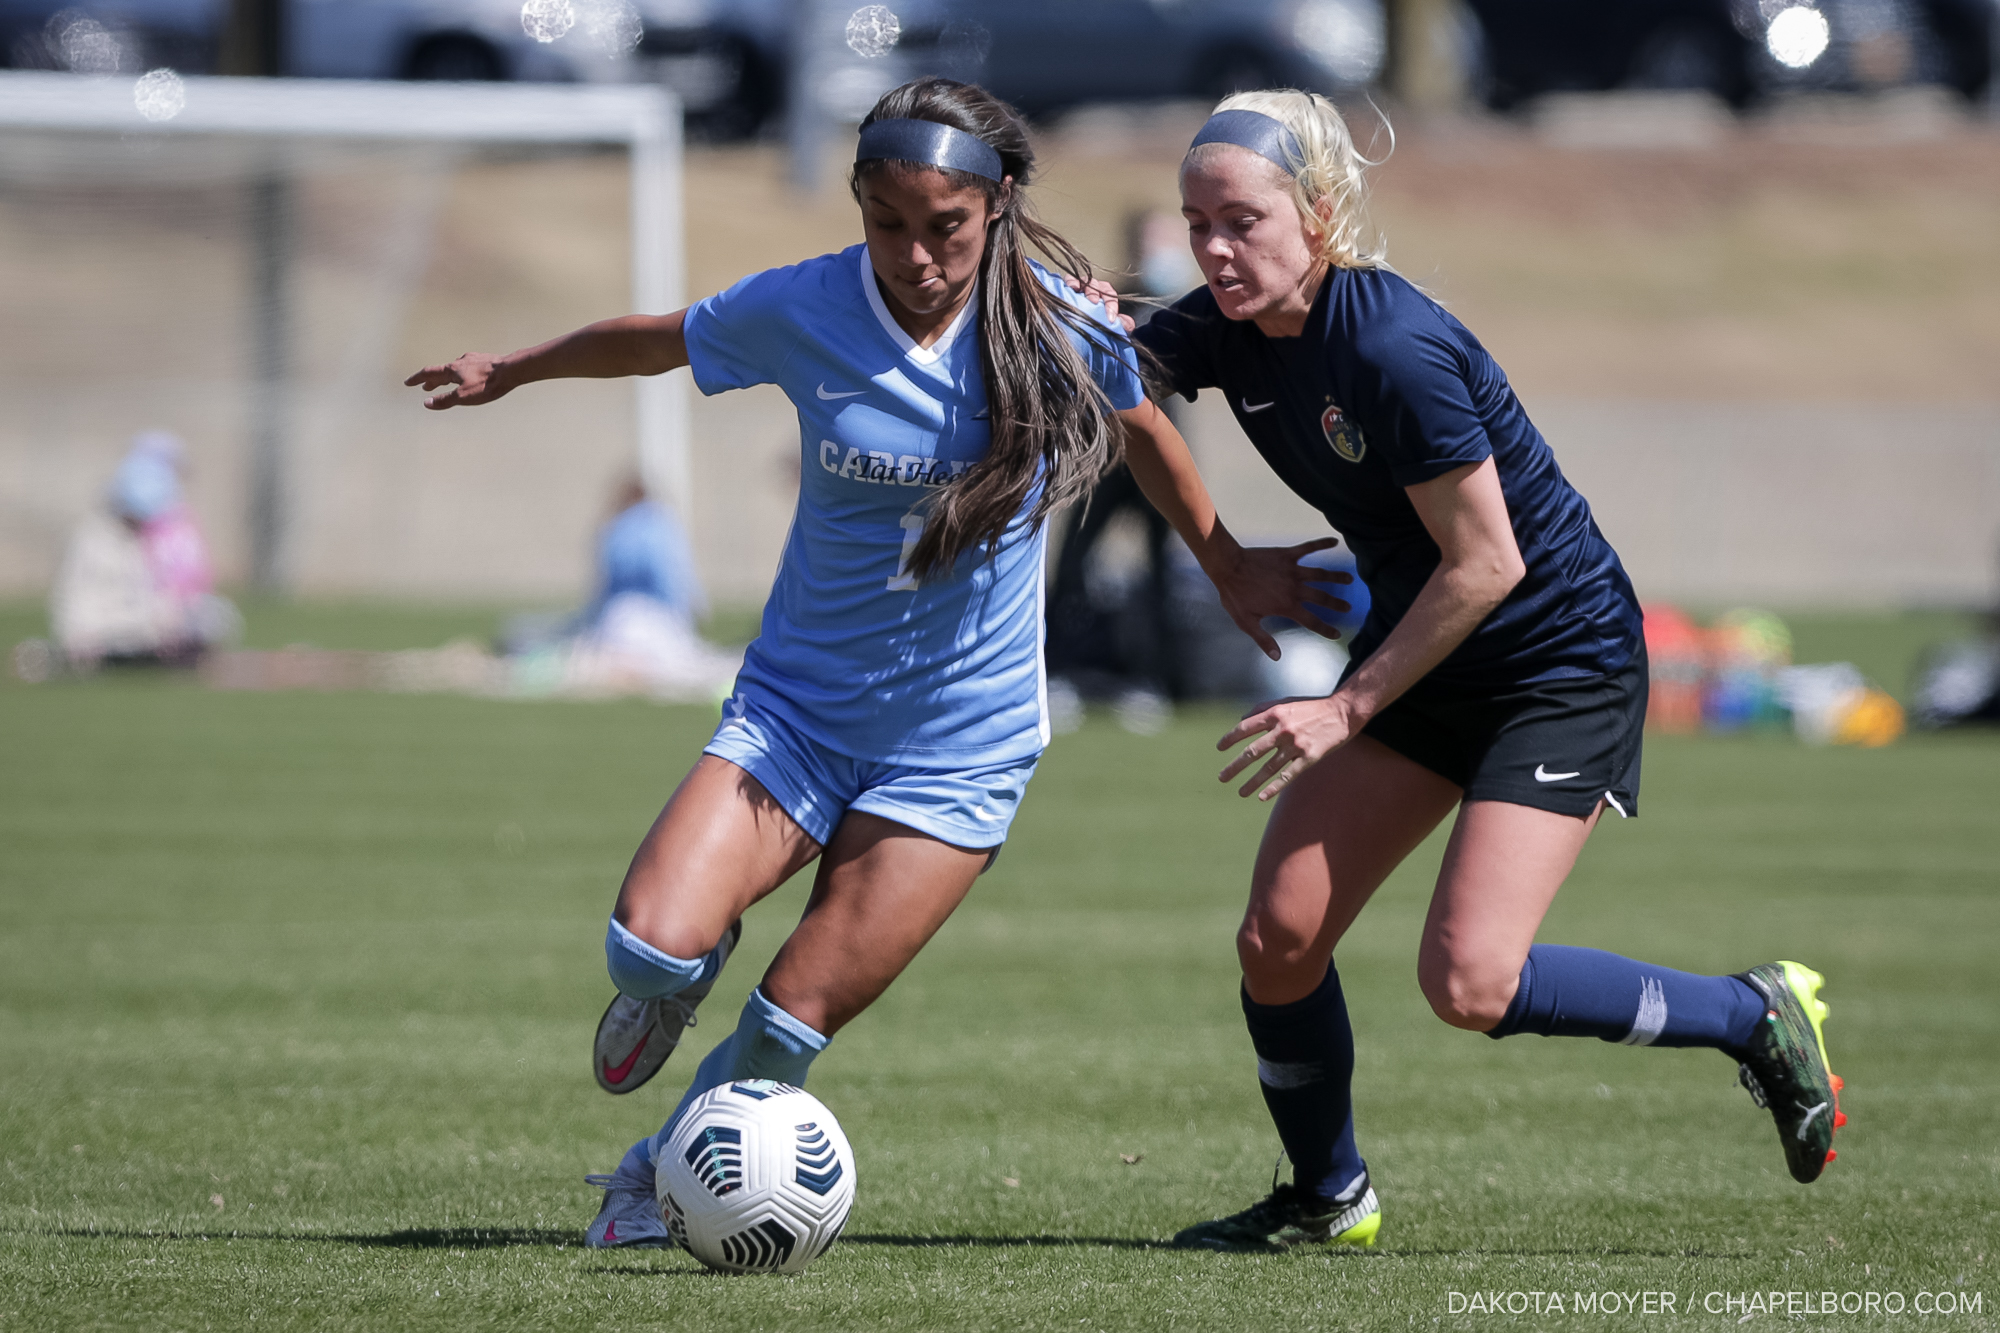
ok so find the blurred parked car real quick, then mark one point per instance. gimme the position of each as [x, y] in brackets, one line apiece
[728, 58]
[588, 40]
[1741, 50]
[117, 36]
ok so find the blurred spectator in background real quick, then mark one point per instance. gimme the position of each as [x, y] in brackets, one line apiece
[136, 584]
[1958, 682]
[638, 634]
[643, 551]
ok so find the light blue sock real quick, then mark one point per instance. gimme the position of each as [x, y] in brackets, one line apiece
[644, 973]
[638, 1162]
[768, 1043]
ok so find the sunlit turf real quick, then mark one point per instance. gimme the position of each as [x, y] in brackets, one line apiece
[296, 995]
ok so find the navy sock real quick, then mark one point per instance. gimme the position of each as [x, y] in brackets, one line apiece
[1570, 992]
[1305, 1065]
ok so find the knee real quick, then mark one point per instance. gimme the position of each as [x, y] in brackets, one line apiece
[1466, 995]
[659, 927]
[644, 969]
[1279, 965]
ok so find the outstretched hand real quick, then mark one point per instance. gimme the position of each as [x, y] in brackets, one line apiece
[471, 379]
[1273, 581]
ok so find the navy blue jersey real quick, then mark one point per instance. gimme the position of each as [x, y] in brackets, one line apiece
[1384, 390]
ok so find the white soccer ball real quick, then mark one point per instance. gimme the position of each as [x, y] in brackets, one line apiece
[757, 1178]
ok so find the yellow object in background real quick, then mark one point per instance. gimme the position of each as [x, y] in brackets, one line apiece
[1873, 719]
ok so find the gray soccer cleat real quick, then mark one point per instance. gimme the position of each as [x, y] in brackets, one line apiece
[635, 1037]
[630, 1217]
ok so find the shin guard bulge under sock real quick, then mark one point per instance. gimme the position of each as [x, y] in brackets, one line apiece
[768, 1043]
[1305, 1066]
[1571, 992]
[645, 973]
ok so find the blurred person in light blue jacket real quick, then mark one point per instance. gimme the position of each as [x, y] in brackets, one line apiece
[643, 551]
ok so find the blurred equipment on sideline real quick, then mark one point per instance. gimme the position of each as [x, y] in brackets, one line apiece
[135, 583]
[1959, 683]
[1738, 675]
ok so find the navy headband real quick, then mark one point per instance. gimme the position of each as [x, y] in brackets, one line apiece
[930, 143]
[1262, 135]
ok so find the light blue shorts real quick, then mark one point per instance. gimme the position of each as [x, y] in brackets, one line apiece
[966, 807]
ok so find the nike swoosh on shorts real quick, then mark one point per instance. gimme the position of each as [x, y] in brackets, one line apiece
[1543, 775]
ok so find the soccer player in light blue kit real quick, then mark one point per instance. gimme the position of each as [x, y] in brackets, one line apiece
[951, 393]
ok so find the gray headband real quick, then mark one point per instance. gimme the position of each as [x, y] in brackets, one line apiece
[1262, 135]
[930, 143]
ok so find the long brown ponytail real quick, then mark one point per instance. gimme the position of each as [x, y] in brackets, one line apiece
[1050, 421]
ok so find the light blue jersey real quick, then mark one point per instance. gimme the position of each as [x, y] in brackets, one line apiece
[854, 652]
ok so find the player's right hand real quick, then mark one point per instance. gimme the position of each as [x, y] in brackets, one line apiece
[471, 379]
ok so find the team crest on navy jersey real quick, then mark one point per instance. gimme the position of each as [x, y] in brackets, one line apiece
[1342, 434]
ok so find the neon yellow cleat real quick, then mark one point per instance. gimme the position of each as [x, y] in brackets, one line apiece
[1785, 1067]
[1290, 1216]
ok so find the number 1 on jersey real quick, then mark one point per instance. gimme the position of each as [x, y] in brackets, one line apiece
[913, 530]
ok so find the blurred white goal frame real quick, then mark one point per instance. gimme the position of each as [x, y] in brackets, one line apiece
[643, 118]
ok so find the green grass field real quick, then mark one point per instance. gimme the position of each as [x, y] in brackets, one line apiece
[296, 993]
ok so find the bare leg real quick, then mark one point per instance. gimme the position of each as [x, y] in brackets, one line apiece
[720, 844]
[883, 890]
[1337, 832]
[1501, 871]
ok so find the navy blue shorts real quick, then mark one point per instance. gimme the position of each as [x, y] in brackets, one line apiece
[1559, 745]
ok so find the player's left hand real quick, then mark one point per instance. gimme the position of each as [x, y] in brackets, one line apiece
[1273, 581]
[1104, 294]
[467, 382]
[1290, 736]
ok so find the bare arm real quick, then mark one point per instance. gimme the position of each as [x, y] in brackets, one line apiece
[608, 349]
[1466, 514]
[1262, 581]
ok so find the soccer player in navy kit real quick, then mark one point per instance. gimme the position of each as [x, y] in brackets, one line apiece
[1501, 670]
[951, 393]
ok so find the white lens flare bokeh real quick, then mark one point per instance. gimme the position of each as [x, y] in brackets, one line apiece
[86, 46]
[547, 20]
[1798, 36]
[159, 95]
[613, 26]
[873, 30]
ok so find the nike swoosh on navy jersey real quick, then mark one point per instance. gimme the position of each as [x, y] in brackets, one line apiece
[830, 397]
[1259, 407]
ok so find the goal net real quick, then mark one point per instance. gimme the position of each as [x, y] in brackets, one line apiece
[255, 266]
